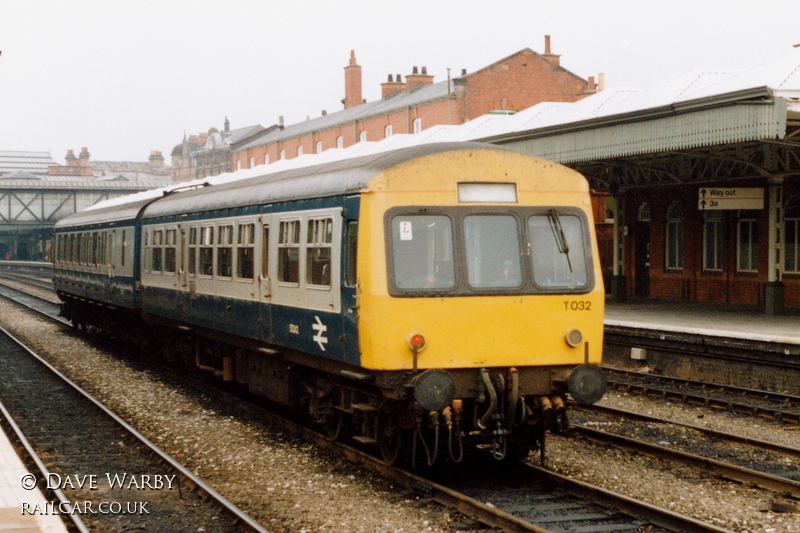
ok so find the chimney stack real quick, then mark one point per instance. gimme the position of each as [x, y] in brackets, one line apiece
[601, 81]
[156, 158]
[84, 156]
[591, 86]
[415, 78]
[553, 58]
[392, 86]
[227, 124]
[352, 83]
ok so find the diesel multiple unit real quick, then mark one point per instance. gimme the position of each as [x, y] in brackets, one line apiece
[441, 299]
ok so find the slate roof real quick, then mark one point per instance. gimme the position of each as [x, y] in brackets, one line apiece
[33, 162]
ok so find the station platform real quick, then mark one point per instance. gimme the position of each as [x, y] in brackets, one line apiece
[725, 344]
[12, 496]
[701, 318]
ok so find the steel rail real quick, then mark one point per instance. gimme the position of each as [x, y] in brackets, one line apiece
[720, 468]
[40, 466]
[472, 507]
[193, 481]
[732, 437]
[705, 397]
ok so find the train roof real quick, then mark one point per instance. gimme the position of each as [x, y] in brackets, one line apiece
[348, 176]
[334, 178]
[106, 215]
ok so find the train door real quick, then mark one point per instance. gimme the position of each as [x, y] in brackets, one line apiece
[349, 282]
[265, 269]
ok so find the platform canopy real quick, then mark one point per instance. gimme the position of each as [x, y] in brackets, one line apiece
[701, 125]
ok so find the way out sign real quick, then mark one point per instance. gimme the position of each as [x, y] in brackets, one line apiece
[730, 198]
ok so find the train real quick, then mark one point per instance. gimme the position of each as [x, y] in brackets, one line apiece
[432, 303]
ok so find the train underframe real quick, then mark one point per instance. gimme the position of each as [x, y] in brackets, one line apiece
[418, 419]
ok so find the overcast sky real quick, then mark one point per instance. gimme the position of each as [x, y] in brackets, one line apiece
[125, 78]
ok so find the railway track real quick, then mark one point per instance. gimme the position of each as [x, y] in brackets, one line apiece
[110, 473]
[767, 405]
[527, 499]
[755, 462]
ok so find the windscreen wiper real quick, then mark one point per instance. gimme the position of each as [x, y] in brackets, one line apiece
[558, 233]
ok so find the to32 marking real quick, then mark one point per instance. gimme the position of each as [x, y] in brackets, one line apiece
[578, 305]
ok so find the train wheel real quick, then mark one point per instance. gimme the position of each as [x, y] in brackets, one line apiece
[390, 440]
[336, 425]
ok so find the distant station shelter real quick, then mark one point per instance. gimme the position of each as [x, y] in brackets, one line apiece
[702, 177]
[35, 192]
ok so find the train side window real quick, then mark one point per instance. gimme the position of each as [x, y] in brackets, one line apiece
[93, 248]
[289, 251]
[245, 250]
[170, 250]
[225, 252]
[422, 251]
[110, 251]
[158, 242]
[265, 252]
[351, 244]
[206, 251]
[318, 252]
[192, 251]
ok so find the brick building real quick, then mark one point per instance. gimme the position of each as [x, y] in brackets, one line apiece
[512, 84]
[208, 153]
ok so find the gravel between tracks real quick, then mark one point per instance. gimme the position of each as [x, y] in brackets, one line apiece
[290, 486]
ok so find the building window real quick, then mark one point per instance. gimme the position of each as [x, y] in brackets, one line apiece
[713, 227]
[363, 136]
[675, 235]
[387, 131]
[642, 216]
[319, 147]
[238, 164]
[340, 142]
[252, 161]
[266, 159]
[792, 245]
[747, 240]
[283, 154]
[299, 151]
[417, 125]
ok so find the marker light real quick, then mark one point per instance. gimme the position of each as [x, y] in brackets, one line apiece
[417, 342]
[574, 338]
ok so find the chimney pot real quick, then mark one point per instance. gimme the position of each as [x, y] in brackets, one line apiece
[463, 72]
[414, 70]
[390, 80]
[546, 44]
[352, 57]
[591, 83]
[601, 81]
[398, 79]
[324, 112]
[425, 70]
[280, 120]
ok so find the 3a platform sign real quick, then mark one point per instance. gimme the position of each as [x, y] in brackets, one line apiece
[710, 198]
